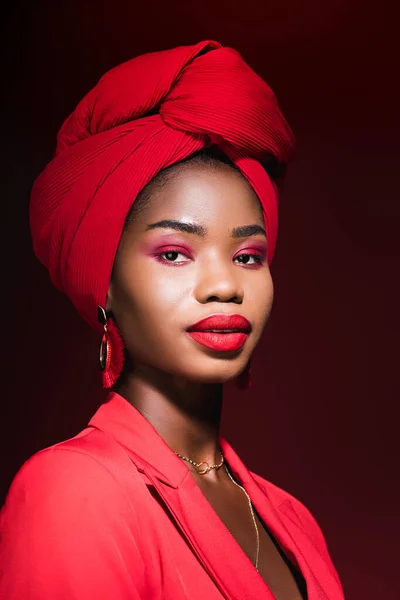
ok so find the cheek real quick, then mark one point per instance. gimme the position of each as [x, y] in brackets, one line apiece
[261, 298]
[151, 298]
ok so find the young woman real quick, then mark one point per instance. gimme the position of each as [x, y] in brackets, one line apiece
[158, 217]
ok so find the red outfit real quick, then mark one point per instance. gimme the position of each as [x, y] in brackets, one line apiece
[114, 514]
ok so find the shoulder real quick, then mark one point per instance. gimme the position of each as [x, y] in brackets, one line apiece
[294, 510]
[75, 459]
[67, 514]
[77, 476]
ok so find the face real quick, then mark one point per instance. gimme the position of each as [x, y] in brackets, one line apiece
[197, 250]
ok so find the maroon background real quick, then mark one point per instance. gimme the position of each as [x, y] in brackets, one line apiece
[321, 419]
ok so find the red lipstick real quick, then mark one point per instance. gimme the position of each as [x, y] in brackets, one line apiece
[221, 332]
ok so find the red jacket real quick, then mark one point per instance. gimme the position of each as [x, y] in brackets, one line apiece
[114, 514]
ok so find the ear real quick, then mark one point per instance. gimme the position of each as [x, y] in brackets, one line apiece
[109, 298]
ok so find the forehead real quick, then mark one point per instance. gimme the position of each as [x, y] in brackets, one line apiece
[205, 195]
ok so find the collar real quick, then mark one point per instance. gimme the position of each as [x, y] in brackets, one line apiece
[123, 422]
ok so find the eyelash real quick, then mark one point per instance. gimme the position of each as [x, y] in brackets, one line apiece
[258, 258]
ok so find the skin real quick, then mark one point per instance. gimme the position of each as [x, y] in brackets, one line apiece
[175, 382]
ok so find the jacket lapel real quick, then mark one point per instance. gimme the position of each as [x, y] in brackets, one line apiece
[300, 549]
[215, 547]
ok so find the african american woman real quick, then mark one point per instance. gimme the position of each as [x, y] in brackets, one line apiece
[157, 216]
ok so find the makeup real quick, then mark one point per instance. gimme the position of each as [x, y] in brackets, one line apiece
[223, 333]
[179, 251]
[253, 257]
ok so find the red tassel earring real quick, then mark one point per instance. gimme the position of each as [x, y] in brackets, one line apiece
[111, 350]
[243, 381]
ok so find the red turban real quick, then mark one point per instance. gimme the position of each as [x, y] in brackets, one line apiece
[143, 116]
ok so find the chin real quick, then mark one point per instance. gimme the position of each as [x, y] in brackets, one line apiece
[216, 374]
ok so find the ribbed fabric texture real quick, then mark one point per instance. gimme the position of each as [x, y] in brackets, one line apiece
[110, 147]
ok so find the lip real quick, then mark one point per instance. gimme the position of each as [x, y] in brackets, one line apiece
[222, 323]
[223, 333]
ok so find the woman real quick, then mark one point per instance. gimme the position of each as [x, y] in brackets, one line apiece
[158, 217]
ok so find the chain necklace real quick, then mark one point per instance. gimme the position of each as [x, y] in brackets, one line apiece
[252, 516]
[203, 470]
[199, 469]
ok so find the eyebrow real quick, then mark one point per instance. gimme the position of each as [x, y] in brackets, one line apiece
[237, 232]
[179, 226]
[248, 230]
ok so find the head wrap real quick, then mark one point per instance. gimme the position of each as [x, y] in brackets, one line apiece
[142, 116]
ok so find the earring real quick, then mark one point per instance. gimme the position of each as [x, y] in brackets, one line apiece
[243, 381]
[111, 349]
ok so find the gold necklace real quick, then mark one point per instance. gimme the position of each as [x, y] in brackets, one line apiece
[252, 516]
[204, 470]
[199, 469]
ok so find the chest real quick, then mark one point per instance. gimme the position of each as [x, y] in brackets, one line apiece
[282, 578]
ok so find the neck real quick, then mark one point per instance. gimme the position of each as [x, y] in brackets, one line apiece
[186, 414]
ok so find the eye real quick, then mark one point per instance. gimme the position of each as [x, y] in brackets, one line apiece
[172, 257]
[250, 259]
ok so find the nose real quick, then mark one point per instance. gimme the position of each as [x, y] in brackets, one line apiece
[219, 282]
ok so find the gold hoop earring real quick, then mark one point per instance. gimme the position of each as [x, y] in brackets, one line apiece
[111, 356]
[104, 346]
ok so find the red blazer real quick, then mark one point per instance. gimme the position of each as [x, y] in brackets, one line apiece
[114, 514]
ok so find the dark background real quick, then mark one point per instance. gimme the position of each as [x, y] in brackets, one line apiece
[321, 419]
